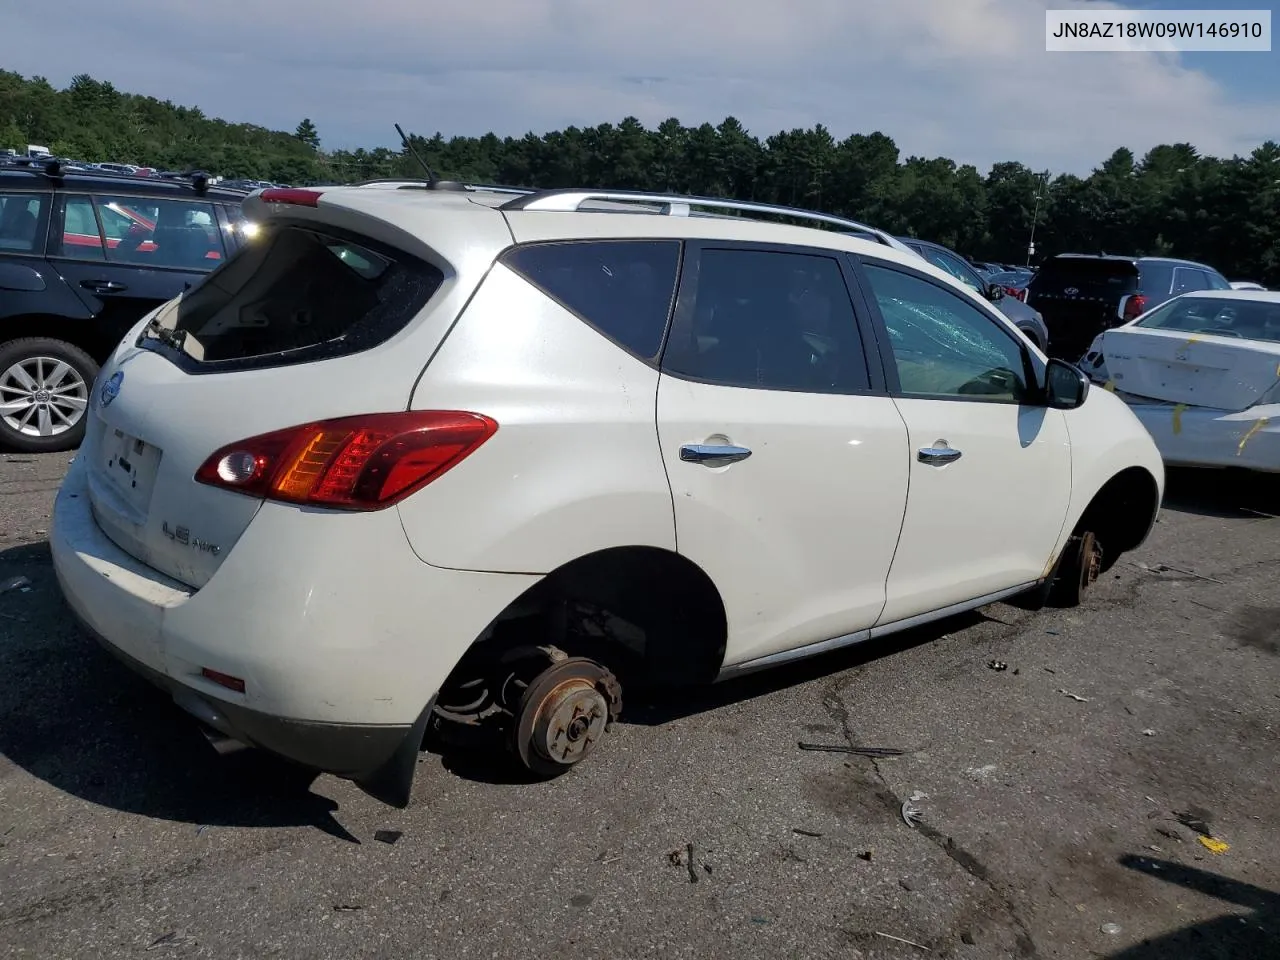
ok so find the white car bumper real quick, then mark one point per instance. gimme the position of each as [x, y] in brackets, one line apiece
[341, 635]
[1204, 437]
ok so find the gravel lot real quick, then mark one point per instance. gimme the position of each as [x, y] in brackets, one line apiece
[1047, 817]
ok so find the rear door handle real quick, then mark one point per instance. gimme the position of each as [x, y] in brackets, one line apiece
[941, 452]
[104, 286]
[713, 455]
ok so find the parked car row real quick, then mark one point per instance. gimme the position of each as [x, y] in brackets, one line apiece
[84, 255]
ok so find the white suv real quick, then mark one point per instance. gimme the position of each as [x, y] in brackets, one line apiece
[421, 457]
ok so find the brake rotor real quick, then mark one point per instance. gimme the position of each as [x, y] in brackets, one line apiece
[1090, 560]
[564, 713]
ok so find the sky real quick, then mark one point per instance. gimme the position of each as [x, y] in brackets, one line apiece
[966, 79]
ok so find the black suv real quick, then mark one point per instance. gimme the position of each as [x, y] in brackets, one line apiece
[1080, 296]
[83, 257]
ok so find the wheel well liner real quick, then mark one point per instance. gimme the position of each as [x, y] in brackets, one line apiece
[666, 596]
[1122, 512]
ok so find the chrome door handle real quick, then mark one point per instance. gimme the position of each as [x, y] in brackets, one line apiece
[104, 286]
[713, 455]
[941, 452]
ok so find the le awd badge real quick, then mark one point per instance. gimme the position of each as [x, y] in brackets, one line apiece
[183, 536]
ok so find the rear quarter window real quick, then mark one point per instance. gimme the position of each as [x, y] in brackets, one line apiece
[297, 293]
[1157, 279]
[622, 288]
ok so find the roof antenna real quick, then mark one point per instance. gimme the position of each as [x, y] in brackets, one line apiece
[433, 183]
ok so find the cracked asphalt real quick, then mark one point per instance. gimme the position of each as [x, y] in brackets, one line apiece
[1061, 799]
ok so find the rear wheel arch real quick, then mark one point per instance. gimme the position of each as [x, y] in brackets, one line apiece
[660, 617]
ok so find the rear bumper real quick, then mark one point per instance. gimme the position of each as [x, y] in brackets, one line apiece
[1204, 437]
[355, 751]
[341, 635]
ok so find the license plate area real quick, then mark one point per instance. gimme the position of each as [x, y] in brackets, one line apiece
[130, 466]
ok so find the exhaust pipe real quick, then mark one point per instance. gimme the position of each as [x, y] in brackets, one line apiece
[215, 727]
[221, 743]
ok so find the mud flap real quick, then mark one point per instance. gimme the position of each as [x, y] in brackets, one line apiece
[392, 783]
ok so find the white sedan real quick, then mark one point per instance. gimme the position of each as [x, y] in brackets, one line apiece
[1202, 372]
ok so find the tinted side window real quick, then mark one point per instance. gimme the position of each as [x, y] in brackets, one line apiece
[1157, 279]
[774, 321]
[161, 233]
[1187, 279]
[944, 346]
[623, 288]
[80, 237]
[1217, 281]
[20, 217]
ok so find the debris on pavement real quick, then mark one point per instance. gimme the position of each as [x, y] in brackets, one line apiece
[1074, 696]
[857, 751]
[1111, 929]
[1148, 732]
[693, 873]
[865, 855]
[1194, 819]
[997, 665]
[1169, 833]
[910, 943]
[388, 836]
[347, 907]
[911, 815]
[805, 833]
[15, 583]
[1213, 845]
[171, 939]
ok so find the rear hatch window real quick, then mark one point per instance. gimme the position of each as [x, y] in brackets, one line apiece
[1086, 279]
[1079, 297]
[295, 293]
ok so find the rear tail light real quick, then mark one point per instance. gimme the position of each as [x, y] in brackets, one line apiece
[292, 195]
[355, 463]
[1134, 306]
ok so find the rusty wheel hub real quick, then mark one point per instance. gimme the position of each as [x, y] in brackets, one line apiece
[570, 721]
[564, 713]
[1090, 560]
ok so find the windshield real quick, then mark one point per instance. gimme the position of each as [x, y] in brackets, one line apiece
[1219, 317]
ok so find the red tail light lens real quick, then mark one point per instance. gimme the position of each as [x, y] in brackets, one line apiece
[355, 463]
[293, 195]
[1134, 306]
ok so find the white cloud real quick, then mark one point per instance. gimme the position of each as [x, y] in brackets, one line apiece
[968, 79]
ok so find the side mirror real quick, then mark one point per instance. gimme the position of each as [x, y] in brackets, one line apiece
[1065, 385]
[995, 292]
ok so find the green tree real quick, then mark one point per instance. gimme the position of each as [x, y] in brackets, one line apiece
[307, 133]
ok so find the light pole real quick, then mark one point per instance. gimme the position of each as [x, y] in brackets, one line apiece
[1031, 243]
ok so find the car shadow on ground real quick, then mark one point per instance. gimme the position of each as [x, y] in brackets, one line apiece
[1236, 936]
[1229, 494]
[666, 706]
[74, 717]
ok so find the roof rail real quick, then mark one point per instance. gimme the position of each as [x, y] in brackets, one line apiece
[411, 183]
[674, 205]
